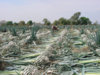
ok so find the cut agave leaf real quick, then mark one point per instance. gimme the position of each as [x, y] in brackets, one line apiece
[30, 55]
[91, 74]
[89, 61]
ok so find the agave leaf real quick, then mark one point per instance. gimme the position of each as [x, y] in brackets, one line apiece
[89, 61]
[83, 70]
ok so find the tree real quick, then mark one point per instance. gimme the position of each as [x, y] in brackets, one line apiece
[22, 23]
[15, 24]
[29, 23]
[62, 21]
[46, 21]
[55, 22]
[68, 22]
[75, 17]
[9, 23]
[84, 21]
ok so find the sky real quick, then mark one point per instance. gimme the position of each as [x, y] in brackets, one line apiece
[36, 10]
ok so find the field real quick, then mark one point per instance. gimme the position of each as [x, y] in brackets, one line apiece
[40, 50]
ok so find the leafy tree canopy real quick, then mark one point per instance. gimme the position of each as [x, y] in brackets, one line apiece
[29, 22]
[84, 21]
[46, 21]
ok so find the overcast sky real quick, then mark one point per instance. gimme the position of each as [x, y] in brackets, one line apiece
[36, 10]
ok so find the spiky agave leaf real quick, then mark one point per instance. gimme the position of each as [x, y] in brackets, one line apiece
[97, 38]
[13, 31]
[33, 35]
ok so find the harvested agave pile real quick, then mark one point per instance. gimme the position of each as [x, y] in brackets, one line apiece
[71, 54]
[68, 51]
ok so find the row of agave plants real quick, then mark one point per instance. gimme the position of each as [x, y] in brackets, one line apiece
[34, 29]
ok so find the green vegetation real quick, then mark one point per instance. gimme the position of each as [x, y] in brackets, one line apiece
[9, 23]
[29, 23]
[75, 19]
[3, 29]
[33, 34]
[84, 21]
[46, 21]
[13, 31]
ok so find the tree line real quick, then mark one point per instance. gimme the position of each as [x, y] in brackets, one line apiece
[21, 23]
[75, 19]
